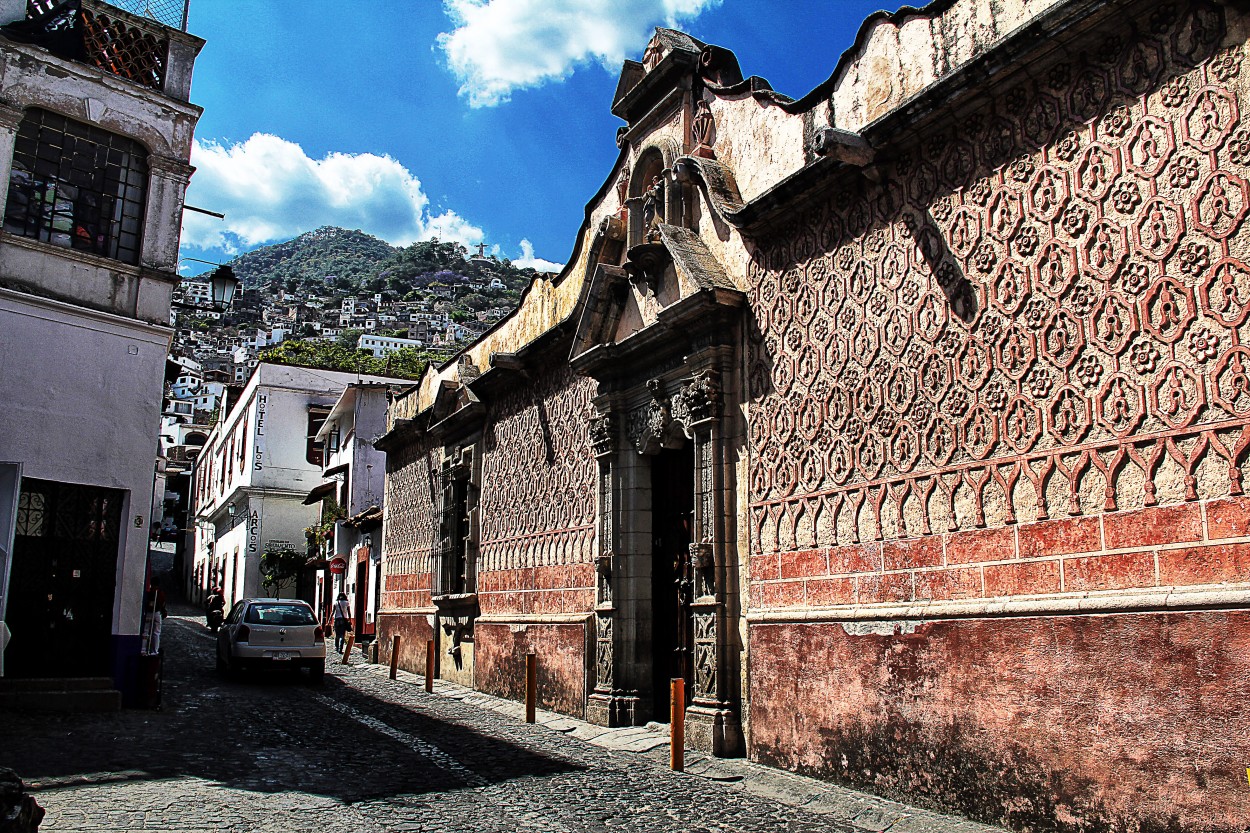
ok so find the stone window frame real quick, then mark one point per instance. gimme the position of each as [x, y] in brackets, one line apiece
[458, 532]
[77, 186]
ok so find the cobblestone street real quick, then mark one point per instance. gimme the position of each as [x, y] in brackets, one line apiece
[364, 753]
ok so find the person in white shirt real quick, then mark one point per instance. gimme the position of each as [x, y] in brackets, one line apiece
[342, 621]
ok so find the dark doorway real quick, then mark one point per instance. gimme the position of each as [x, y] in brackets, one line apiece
[64, 572]
[672, 514]
[362, 596]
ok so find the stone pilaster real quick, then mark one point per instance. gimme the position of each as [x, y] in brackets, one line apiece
[10, 119]
[608, 705]
[711, 721]
[167, 183]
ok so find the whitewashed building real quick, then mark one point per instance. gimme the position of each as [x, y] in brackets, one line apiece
[382, 346]
[353, 476]
[250, 480]
[88, 265]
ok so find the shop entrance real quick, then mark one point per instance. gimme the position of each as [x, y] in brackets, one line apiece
[672, 517]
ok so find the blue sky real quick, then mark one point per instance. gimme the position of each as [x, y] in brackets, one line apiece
[475, 120]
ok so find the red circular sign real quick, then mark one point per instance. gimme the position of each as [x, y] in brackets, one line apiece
[338, 566]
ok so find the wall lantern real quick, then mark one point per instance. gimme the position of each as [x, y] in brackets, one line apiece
[223, 283]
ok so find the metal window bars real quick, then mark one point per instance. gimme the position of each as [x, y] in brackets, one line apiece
[77, 186]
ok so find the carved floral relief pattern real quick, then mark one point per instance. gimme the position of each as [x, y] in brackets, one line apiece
[1038, 313]
[539, 475]
[412, 496]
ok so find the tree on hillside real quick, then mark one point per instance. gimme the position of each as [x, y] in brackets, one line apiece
[325, 355]
[350, 338]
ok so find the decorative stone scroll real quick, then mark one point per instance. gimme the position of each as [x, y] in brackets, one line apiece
[604, 676]
[705, 655]
[665, 422]
[699, 399]
[603, 434]
[649, 424]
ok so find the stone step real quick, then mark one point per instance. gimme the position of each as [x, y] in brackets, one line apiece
[17, 684]
[86, 700]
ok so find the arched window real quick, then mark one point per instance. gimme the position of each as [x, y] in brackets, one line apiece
[77, 186]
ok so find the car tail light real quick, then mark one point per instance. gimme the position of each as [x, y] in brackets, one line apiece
[319, 635]
[242, 633]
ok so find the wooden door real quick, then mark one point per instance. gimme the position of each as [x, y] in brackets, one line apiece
[65, 552]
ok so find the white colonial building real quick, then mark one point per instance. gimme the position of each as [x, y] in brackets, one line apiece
[250, 481]
[94, 163]
[382, 346]
[353, 477]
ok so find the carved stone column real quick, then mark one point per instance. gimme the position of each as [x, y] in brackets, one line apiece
[607, 705]
[712, 722]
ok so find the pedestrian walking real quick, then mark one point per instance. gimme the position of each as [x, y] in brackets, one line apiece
[154, 614]
[342, 621]
[215, 609]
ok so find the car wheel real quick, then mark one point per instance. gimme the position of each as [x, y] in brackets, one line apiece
[317, 672]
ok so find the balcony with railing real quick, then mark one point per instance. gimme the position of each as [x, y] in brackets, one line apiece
[143, 41]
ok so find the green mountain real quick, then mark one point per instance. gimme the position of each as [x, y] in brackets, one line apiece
[332, 263]
[349, 257]
[333, 260]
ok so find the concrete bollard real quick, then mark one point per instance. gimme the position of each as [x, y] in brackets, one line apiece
[677, 726]
[394, 656]
[347, 648]
[429, 666]
[531, 686]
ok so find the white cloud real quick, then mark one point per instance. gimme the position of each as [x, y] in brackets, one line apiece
[528, 261]
[503, 45]
[270, 189]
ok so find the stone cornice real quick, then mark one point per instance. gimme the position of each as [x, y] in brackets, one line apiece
[1151, 600]
[170, 167]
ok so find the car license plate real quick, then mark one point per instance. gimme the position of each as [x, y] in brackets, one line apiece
[281, 654]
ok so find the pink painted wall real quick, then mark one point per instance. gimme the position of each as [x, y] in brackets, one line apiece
[1116, 722]
[499, 655]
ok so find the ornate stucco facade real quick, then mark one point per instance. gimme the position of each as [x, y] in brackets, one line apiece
[906, 420]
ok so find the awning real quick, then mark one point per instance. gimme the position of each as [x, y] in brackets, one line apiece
[369, 519]
[320, 493]
[333, 470]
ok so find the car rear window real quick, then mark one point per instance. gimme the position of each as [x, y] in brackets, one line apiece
[279, 614]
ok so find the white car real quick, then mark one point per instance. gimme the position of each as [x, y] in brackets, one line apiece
[271, 633]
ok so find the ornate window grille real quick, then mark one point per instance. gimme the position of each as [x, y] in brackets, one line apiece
[112, 41]
[77, 186]
[455, 538]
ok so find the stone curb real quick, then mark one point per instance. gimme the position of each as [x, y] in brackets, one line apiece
[858, 810]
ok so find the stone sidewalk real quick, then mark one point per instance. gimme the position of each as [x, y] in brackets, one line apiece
[844, 806]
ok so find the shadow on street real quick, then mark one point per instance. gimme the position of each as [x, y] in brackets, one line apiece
[270, 733]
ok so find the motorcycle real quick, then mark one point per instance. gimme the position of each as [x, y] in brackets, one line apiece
[214, 618]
